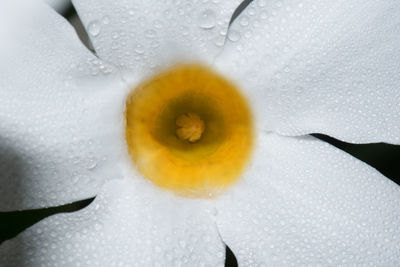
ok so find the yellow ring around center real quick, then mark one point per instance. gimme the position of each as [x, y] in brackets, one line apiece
[204, 168]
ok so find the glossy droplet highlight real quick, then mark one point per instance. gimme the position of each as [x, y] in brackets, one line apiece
[234, 36]
[139, 49]
[189, 130]
[105, 20]
[207, 19]
[94, 28]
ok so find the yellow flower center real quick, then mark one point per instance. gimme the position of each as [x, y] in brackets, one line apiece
[189, 130]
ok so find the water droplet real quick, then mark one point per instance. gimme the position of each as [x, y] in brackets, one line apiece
[168, 256]
[97, 226]
[157, 249]
[91, 164]
[94, 28]
[115, 35]
[150, 33]
[139, 49]
[244, 21]
[182, 243]
[234, 36]
[185, 30]
[262, 3]
[299, 90]
[219, 41]
[155, 44]
[105, 20]
[207, 19]
[158, 24]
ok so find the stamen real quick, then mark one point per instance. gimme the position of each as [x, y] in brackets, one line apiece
[190, 127]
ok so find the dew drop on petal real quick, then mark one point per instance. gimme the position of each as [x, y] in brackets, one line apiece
[244, 21]
[207, 19]
[98, 226]
[94, 28]
[234, 36]
[139, 49]
[105, 20]
[219, 41]
[299, 90]
[91, 164]
[262, 3]
[150, 34]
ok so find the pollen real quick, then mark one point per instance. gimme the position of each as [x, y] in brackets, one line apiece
[189, 130]
[190, 127]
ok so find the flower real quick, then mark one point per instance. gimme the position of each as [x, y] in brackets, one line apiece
[305, 66]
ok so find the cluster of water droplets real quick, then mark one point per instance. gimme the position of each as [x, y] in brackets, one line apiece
[147, 35]
[326, 208]
[128, 224]
[48, 149]
[305, 60]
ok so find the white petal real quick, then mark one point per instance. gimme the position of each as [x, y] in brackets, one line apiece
[329, 67]
[128, 224]
[146, 34]
[61, 115]
[304, 202]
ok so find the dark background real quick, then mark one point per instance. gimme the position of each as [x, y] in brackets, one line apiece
[384, 157]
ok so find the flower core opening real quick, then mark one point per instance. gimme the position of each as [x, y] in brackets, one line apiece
[189, 130]
[190, 127]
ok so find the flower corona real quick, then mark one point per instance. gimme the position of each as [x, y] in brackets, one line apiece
[189, 130]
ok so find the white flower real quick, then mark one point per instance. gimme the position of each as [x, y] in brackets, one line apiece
[324, 66]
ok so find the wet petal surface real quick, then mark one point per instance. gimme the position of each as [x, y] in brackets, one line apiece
[144, 35]
[59, 105]
[304, 202]
[128, 224]
[329, 67]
